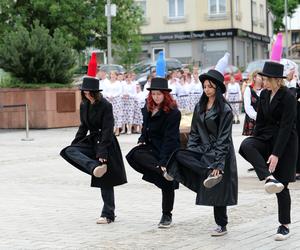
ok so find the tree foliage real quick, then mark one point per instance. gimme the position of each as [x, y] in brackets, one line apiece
[36, 57]
[277, 8]
[83, 23]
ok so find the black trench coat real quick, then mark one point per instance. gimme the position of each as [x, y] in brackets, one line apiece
[160, 133]
[102, 140]
[276, 125]
[210, 137]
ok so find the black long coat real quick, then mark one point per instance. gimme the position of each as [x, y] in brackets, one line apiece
[101, 139]
[160, 133]
[276, 124]
[211, 139]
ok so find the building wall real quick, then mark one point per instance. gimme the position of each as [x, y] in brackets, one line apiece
[206, 50]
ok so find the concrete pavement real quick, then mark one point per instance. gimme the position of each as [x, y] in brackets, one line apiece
[48, 204]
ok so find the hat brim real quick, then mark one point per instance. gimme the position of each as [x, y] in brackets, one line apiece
[87, 89]
[168, 90]
[271, 76]
[205, 76]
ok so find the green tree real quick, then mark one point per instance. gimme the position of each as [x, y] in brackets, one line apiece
[83, 23]
[36, 57]
[277, 8]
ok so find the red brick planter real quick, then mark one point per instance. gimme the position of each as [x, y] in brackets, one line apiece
[48, 108]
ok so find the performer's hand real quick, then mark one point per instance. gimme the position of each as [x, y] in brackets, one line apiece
[215, 172]
[272, 161]
[102, 160]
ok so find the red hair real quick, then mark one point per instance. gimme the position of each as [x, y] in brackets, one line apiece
[167, 104]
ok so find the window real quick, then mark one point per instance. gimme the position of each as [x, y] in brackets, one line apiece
[217, 7]
[176, 8]
[254, 11]
[261, 14]
[142, 5]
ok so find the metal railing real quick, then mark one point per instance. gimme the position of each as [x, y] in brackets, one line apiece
[26, 118]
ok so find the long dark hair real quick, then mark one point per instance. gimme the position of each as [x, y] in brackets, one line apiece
[219, 103]
[95, 94]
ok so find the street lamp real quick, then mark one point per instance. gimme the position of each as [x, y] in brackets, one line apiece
[110, 10]
[286, 29]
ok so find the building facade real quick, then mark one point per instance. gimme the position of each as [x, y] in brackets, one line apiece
[201, 31]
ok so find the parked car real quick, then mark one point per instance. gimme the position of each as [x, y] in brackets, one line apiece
[231, 69]
[252, 66]
[259, 64]
[112, 67]
[144, 68]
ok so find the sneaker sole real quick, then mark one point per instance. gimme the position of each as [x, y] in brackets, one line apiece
[209, 183]
[280, 237]
[100, 171]
[168, 177]
[218, 234]
[272, 188]
[164, 226]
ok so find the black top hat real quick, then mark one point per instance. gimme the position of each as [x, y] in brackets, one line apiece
[159, 83]
[272, 69]
[216, 77]
[90, 84]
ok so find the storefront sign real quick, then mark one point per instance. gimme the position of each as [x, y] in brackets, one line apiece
[204, 34]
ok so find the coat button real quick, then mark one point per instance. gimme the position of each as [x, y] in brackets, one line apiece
[99, 129]
[98, 142]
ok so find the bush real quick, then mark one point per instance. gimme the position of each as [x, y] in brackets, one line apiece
[36, 57]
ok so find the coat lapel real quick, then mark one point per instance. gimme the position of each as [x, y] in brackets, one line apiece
[276, 99]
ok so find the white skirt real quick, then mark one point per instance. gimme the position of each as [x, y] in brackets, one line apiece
[117, 104]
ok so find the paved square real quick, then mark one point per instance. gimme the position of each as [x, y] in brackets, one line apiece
[48, 204]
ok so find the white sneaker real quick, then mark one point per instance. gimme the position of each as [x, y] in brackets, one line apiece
[100, 170]
[272, 186]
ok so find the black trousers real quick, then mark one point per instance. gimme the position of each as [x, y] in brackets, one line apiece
[220, 214]
[257, 152]
[148, 165]
[86, 159]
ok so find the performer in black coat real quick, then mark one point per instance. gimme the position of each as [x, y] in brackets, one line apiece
[159, 138]
[98, 153]
[208, 165]
[272, 151]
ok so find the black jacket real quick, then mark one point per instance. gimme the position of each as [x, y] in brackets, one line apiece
[276, 124]
[99, 123]
[161, 132]
[210, 137]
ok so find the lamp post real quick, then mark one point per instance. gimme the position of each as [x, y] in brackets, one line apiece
[108, 32]
[286, 29]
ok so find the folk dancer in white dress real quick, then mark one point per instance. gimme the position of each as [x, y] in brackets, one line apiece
[172, 84]
[233, 94]
[113, 93]
[183, 92]
[140, 101]
[196, 91]
[128, 98]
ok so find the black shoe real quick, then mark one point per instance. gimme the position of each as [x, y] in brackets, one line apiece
[233, 121]
[219, 231]
[272, 186]
[211, 180]
[282, 233]
[165, 221]
[238, 122]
